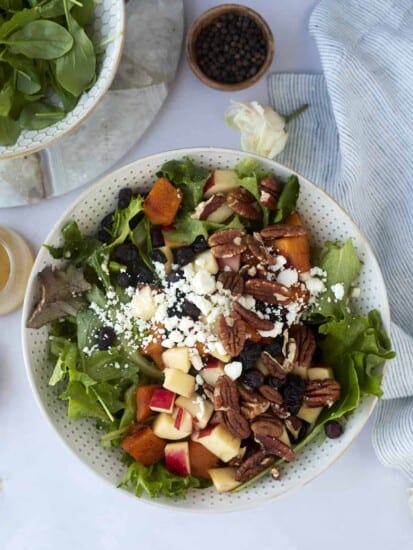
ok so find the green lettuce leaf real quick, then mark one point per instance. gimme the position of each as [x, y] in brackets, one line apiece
[141, 238]
[157, 481]
[247, 167]
[76, 247]
[187, 229]
[121, 218]
[342, 266]
[287, 201]
[188, 177]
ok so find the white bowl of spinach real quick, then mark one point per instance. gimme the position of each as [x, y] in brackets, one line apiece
[57, 59]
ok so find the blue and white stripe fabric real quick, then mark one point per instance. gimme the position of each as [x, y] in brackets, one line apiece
[356, 141]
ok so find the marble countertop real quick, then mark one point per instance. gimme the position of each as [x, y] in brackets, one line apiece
[49, 500]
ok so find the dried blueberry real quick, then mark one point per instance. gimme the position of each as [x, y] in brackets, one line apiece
[105, 337]
[275, 382]
[190, 310]
[250, 354]
[333, 429]
[158, 256]
[126, 253]
[293, 393]
[252, 378]
[144, 275]
[276, 346]
[200, 244]
[174, 276]
[184, 255]
[103, 235]
[125, 279]
[157, 237]
[135, 220]
[124, 197]
[107, 221]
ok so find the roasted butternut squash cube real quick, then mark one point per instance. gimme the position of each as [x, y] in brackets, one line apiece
[143, 445]
[162, 203]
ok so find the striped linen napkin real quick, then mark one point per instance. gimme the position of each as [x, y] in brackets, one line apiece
[356, 141]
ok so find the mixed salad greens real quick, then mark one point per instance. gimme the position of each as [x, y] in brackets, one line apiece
[105, 356]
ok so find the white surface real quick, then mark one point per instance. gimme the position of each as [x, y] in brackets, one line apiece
[83, 438]
[51, 501]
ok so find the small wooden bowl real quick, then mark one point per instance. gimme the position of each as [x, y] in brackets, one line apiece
[203, 21]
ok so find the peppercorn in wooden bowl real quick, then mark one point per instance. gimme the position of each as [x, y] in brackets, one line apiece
[229, 47]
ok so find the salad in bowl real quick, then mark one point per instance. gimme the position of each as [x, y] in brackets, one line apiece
[203, 332]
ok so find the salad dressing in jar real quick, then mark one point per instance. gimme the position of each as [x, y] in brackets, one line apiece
[16, 261]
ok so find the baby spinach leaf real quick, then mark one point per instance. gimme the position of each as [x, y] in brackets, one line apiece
[6, 97]
[9, 131]
[11, 5]
[51, 9]
[288, 199]
[77, 68]
[40, 40]
[82, 13]
[17, 21]
[29, 77]
[38, 115]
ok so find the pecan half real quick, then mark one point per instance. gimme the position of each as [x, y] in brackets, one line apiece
[274, 366]
[281, 230]
[306, 344]
[243, 203]
[276, 447]
[232, 333]
[236, 424]
[280, 411]
[232, 281]
[227, 243]
[270, 190]
[271, 394]
[321, 393]
[270, 292]
[253, 465]
[226, 396]
[251, 318]
[272, 427]
[252, 403]
[258, 249]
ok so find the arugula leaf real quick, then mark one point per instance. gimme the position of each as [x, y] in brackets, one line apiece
[121, 219]
[288, 199]
[188, 177]
[157, 481]
[342, 266]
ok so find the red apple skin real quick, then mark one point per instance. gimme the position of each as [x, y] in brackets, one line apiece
[178, 418]
[162, 400]
[233, 262]
[206, 431]
[212, 363]
[177, 458]
[210, 182]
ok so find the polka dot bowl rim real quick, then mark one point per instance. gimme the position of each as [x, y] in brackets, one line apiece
[326, 221]
[107, 27]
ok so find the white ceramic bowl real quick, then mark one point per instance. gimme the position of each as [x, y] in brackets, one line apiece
[326, 221]
[106, 27]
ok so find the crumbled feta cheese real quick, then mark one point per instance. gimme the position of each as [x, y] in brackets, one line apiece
[233, 369]
[203, 283]
[355, 292]
[196, 359]
[288, 277]
[338, 291]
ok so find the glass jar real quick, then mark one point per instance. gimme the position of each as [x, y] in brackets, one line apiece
[16, 260]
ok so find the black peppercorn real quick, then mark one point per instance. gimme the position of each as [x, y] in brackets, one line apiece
[231, 49]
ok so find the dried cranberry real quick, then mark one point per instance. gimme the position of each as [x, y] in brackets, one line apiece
[252, 378]
[333, 429]
[293, 393]
[105, 337]
[124, 197]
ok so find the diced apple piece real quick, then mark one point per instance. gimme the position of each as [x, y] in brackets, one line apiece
[309, 414]
[205, 261]
[221, 181]
[284, 438]
[220, 355]
[162, 401]
[301, 371]
[177, 358]
[143, 399]
[232, 263]
[213, 369]
[223, 479]
[219, 441]
[179, 382]
[182, 419]
[177, 458]
[164, 427]
[200, 409]
[220, 214]
[320, 373]
[143, 303]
